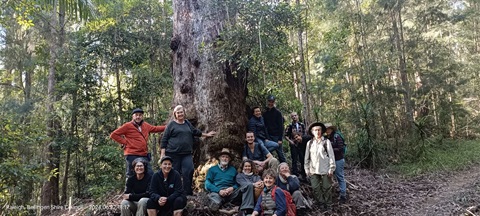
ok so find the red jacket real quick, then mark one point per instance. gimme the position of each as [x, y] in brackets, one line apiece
[134, 141]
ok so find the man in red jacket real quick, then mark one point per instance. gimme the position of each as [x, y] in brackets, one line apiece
[132, 137]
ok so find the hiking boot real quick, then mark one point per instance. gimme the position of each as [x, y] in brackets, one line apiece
[301, 211]
[343, 199]
[328, 209]
[303, 178]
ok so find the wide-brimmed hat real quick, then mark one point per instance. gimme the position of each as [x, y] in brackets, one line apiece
[316, 124]
[225, 151]
[137, 110]
[330, 126]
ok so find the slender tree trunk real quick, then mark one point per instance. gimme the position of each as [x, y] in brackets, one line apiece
[452, 117]
[72, 142]
[304, 95]
[50, 190]
[398, 38]
[367, 148]
[211, 92]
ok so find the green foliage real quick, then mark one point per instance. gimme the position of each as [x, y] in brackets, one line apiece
[444, 155]
[256, 41]
[20, 167]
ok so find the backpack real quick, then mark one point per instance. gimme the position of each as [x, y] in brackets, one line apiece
[291, 208]
[344, 144]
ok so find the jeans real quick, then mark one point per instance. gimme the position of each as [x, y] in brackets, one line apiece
[130, 171]
[340, 175]
[272, 145]
[138, 208]
[183, 163]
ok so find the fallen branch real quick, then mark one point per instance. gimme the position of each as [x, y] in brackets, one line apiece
[352, 186]
[471, 212]
[471, 209]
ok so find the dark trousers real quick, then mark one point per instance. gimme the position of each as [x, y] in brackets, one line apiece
[298, 155]
[179, 203]
[279, 150]
[183, 163]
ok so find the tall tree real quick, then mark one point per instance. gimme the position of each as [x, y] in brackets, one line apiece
[213, 93]
[57, 10]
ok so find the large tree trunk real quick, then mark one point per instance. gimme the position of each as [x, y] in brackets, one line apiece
[213, 93]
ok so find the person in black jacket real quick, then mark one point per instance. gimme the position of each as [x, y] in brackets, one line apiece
[166, 191]
[296, 127]
[136, 190]
[177, 143]
[274, 122]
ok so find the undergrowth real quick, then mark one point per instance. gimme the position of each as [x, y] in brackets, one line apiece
[448, 155]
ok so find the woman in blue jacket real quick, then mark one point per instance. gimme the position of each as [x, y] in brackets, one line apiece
[267, 204]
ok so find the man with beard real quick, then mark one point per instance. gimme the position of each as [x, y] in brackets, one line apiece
[223, 188]
[132, 137]
[260, 156]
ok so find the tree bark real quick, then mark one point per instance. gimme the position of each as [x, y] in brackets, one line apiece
[398, 38]
[72, 142]
[213, 93]
[50, 189]
[304, 95]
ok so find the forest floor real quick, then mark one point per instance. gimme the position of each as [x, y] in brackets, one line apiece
[376, 193]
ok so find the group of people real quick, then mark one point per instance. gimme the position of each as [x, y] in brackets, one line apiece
[263, 186]
[166, 190]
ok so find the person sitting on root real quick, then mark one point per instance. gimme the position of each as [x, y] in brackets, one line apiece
[268, 205]
[260, 155]
[248, 176]
[291, 183]
[136, 190]
[256, 124]
[166, 191]
[223, 188]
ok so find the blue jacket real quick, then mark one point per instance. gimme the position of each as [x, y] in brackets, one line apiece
[280, 202]
[257, 126]
[292, 182]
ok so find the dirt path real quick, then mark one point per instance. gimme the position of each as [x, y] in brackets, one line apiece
[460, 190]
[387, 194]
